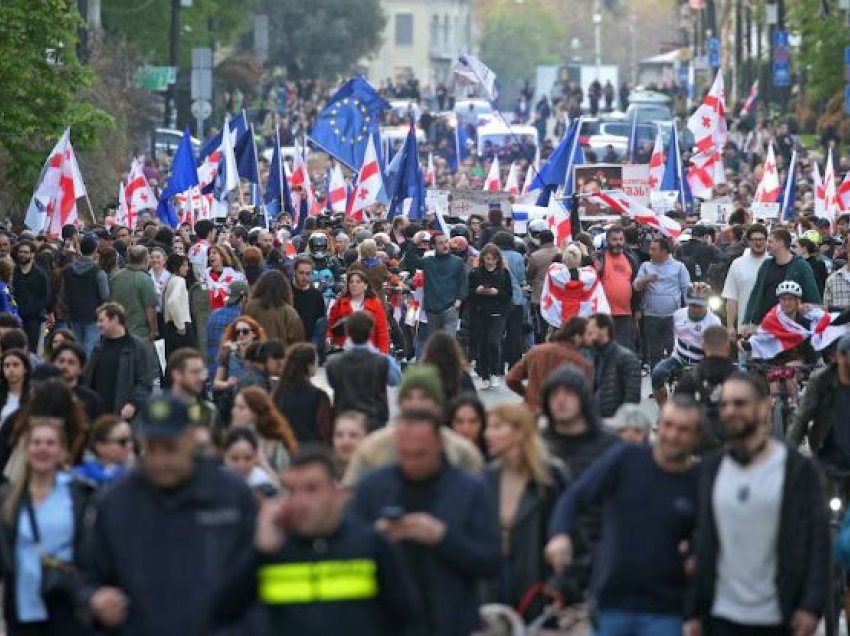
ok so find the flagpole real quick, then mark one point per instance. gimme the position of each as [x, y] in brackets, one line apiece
[91, 210]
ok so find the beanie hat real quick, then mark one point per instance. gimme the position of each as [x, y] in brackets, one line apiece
[570, 377]
[424, 377]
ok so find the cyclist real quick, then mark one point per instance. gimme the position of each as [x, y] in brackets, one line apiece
[689, 324]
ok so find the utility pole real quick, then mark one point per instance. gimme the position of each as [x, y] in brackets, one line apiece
[597, 35]
[170, 117]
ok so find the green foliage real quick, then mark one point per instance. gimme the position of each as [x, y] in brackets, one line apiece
[517, 37]
[822, 48]
[146, 24]
[322, 38]
[42, 78]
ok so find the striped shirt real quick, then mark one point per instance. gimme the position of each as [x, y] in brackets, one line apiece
[688, 333]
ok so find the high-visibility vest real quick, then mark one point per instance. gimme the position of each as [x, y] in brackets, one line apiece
[318, 582]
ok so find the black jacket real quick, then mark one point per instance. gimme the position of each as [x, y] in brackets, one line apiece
[136, 373]
[359, 380]
[468, 551]
[618, 379]
[814, 415]
[495, 305]
[31, 292]
[703, 384]
[803, 571]
[354, 549]
[172, 552]
[60, 613]
[525, 566]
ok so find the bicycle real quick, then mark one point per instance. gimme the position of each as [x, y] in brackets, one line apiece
[787, 383]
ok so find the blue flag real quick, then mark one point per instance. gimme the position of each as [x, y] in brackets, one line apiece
[674, 174]
[277, 196]
[788, 194]
[184, 175]
[461, 146]
[350, 116]
[558, 170]
[246, 156]
[408, 182]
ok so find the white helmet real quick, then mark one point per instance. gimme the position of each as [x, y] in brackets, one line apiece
[789, 287]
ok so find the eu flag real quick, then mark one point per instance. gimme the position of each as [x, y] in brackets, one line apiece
[350, 116]
[409, 182]
[184, 176]
[558, 170]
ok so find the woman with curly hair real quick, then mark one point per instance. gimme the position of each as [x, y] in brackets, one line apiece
[254, 409]
[233, 365]
[443, 351]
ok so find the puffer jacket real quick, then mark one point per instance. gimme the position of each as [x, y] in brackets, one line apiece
[617, 380]
[815, 414]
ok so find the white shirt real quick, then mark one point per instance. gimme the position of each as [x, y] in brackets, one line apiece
[689, 334]
[740, 280]
[747, 502]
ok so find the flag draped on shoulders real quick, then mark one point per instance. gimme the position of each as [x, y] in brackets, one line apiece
[779, 332]
[564, 298]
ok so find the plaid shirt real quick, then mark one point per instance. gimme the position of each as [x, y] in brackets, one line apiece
[216, 324]
[837, 291]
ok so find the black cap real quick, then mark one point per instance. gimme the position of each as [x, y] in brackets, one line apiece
[166, 416]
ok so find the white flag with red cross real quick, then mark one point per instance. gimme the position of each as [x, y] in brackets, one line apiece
[493, 182]
[768, 188]
[369, 184]
[620, 202]
[512, 182]
[560, 223]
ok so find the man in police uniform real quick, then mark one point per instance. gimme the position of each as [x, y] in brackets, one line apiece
[167, 538]
[322, 571]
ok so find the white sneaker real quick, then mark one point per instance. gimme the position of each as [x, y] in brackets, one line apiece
[495, 383]
[485, 385]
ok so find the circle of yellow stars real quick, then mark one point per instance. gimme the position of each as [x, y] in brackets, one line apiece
[364, 129]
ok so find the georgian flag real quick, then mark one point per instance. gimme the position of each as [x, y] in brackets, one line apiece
[493, 183]
[337, 192]
[768, 188]
[708, 123]
[750, 104]
[512, 182]
[829, 194]
[820, 191]
[301, 177]
[842, 195]
[138, 194]
[54, 201]
[620, 202]
[560, 223]
[369, 184]
[656, 164]
[779, 332]
[706, 171]
[431, 172]
[563, 298]
[529, 176]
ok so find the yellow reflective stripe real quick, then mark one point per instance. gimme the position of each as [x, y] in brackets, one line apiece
[322, 581]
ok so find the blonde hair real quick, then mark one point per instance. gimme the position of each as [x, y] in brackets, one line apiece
[572, 256]
[368, 248]
[533, 454]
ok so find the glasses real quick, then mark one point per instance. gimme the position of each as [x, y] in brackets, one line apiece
[121, 441]
[737, 404]
[243, 332]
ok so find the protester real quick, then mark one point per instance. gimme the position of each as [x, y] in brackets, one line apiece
[564, 347]
[70, 359]
[538, 265]
[648, 494]
[630, 423]
[14, 382]
[489, 303]
[837, 292]
[241, 454]
[616, 369]
[617, 270]
[220, 319]
[443, 520]
[111, 443]
[31, 290]
[219, 276]
[168, 513]
[186, 378]
[177, 319]
[358, 296]
[526, 482]
[231, 358]
[254, 409]
[306, 406]
[349, 430]
[120, 368]
[266, 360]
[159, 275]
[513, 337]
[309, 303]
[761, 546]
[43, 512]
[741, 277]
[445, 288]
[466, 416]
[443, 352]
[663, 283]
[270, 305]
[83, 289]
[133, 289]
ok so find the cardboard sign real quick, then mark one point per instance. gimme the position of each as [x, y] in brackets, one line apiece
[765, 210]
[462, 203]
[663, 200]
[715, 212]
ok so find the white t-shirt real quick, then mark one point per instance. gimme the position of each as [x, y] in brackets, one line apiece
[740, 280]
[747, 502]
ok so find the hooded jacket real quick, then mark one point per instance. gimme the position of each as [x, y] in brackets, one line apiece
[83, 289]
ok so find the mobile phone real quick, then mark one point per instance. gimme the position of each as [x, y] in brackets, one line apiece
[392, 513]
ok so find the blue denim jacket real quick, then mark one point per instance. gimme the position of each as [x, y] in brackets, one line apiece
[516, 266]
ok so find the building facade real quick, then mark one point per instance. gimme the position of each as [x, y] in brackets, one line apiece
[421, 39]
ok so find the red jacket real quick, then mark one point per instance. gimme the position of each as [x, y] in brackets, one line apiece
[342, 308]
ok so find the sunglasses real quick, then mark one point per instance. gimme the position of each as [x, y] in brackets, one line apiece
[242, 332]
[121, 441]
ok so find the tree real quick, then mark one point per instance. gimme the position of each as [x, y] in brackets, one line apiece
[518, 37]
[822, 42]
[43, 79]
[322, 38]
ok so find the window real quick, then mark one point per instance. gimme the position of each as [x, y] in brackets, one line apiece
[404, 29]
[435, 30]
